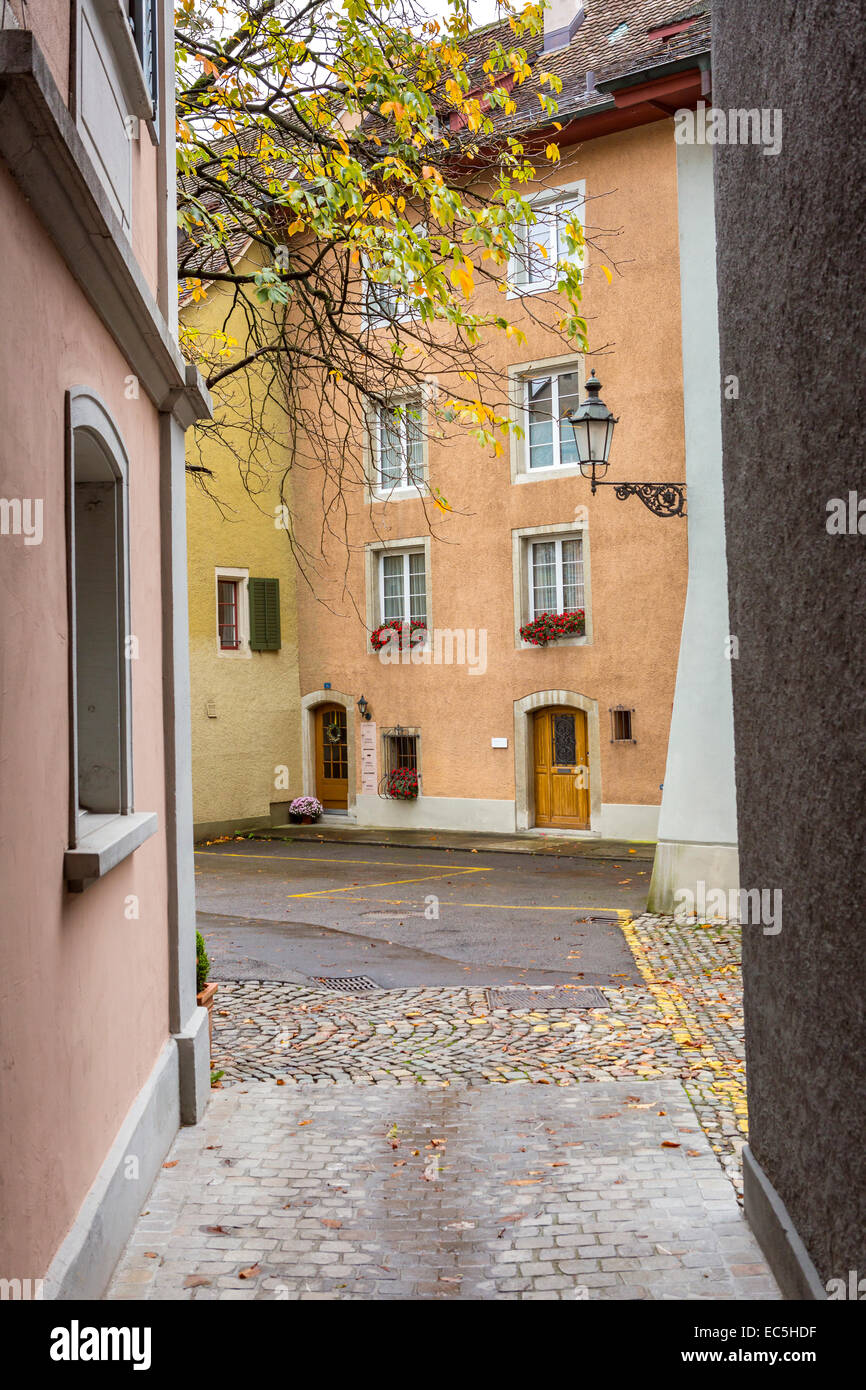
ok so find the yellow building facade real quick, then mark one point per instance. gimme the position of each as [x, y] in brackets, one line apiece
[243, 624]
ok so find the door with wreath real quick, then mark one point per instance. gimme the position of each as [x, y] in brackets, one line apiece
[332, 758]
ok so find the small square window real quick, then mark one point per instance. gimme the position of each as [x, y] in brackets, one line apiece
[621, 725]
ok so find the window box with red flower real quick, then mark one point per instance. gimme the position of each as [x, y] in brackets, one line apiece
[405, 633]
[549, 627]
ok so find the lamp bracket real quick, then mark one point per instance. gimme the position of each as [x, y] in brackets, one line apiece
[662, 499]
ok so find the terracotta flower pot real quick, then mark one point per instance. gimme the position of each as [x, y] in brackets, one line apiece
[204, 999]
[306, 820]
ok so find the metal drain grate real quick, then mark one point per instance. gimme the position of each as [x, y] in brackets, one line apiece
[347, 984]
[547, 997]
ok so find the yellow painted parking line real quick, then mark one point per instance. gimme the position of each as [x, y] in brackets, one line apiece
[623, 913]
[307, 859]
[390, 883]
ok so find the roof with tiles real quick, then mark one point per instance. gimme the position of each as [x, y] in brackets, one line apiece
[616, 37]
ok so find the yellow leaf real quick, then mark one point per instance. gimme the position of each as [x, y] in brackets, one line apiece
[552, 152]
[462, 275]
[607, 274]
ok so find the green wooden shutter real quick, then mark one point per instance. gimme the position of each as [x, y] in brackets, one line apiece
[264, 615]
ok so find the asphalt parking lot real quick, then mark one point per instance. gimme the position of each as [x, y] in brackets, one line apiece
[295, 910]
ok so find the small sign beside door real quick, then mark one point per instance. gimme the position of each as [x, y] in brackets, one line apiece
[369, 758]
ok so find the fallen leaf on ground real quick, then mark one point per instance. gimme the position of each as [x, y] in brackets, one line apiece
[250, 1272]
[173, 1164]
[669, 1144]
[195, 1281]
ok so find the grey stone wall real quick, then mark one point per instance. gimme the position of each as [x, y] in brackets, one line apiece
[792, 300]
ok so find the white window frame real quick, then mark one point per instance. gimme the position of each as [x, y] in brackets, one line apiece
[557, 542]
[411, 550]
[374, 317]
[404, 308]
[519, 373]
[549, 207]
[415, 487]
[102, 838]
[522, 542]
[242, 579]
[556, 417]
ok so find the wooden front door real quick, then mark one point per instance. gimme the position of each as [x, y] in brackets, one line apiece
[561, 768]
[332, 758]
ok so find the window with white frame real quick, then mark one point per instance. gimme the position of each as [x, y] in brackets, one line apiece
[549, 439]
[399, 445]
[384, 302]
[227, 614]
[555, 576]
[232, 612]
[402, 586]
[543, 243]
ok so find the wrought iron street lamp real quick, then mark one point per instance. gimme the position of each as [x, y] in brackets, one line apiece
[593, 424]
[364, 708]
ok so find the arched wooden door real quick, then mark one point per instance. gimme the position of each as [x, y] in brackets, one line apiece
[561, 768]
[332, 758]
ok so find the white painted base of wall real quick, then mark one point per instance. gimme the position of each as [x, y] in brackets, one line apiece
[435, 813]
[491, 817]
[175, 1093]
[681, 865]
[625, 822]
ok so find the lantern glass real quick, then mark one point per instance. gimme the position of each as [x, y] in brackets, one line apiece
[599, 440]
[593, 424]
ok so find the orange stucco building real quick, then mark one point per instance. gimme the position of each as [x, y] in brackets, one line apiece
[503, 734]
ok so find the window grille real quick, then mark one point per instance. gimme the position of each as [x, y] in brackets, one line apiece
[621, 727]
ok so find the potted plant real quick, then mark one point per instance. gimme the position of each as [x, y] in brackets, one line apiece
[205, 992]
[402, 784]
[304, 810]
[549, 627]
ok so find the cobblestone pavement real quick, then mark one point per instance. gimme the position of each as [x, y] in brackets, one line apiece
[684, 1022]
[606, 1190]
[381, 1146]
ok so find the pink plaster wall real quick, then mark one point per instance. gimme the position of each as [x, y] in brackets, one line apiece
[83, 990]
[50, 22]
